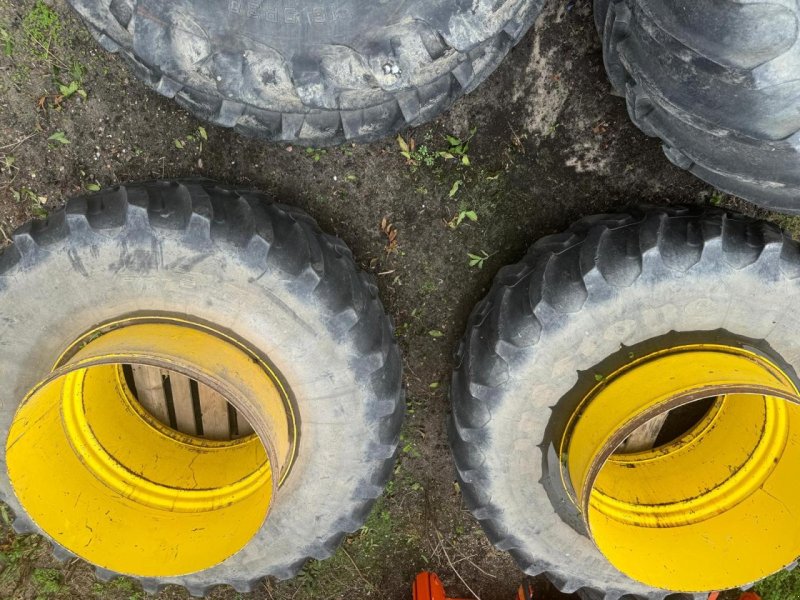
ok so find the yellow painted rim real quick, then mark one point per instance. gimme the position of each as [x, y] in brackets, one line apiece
[714, 509]
[119, 489]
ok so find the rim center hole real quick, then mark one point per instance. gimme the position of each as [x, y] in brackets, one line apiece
[184, 404]
[667, 427]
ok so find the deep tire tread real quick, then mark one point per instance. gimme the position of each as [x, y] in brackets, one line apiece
[725, 115]
[297, 246]
[613, 246]
[396, 109]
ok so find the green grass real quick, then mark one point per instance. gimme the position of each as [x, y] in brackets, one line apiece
[47, 581]
[781, 586]
[42, 26]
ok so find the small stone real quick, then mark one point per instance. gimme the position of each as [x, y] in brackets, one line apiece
[395, 70]
[387, 69]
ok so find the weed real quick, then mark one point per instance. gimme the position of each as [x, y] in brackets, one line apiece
[13, 554]
[478, 260]
[409, 448]
[781, 586]
[198, 137]
[36, 202]
[416, 156]
[456, 186]
[316, 154]
[42, 27]
[67, 91]
[716, 198]
[404, 328]
[428, 287]
[127, 586]
[461, 216]
[60, 137]
[47, 581]
[77, 71]
[6, 42]
[788, 223]
[459, 149]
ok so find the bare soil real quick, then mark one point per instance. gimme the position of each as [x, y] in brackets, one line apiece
[552, 144]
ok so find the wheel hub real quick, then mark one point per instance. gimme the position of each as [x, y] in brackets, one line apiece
[119, 488]
[713, 509]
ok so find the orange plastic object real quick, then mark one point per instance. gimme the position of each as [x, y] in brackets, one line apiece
[428, 586]
[744, 596]
[525, 591]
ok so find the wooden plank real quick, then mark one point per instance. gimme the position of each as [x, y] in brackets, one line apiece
[183, 403]
[150, 391]
[645, 437]
[214, 411]
[244, 427]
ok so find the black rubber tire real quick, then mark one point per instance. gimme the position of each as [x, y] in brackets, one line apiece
[577, 305]
[259, 269]
[719, 82]
[313, 74]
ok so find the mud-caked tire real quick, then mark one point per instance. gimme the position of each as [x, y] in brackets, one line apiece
[718, 83]
[577, 307]
[264, 274]
[314, 73]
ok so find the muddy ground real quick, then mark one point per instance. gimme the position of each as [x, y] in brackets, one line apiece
[551, 145]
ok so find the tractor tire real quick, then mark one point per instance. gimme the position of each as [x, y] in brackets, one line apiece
[718, 82]
[578, 307]
[192, 257]
[311, 74]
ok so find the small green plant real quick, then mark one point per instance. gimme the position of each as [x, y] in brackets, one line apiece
[67, 91]
[42, 27]
[316, 154]
[716, 198]
[415, 156]
[410, 450]
[47, 581]
[36, 202]
[6, 42]
[199, 136]
[459, 149]
[60, 137]
[455, 187]
[478, 260]
[463, 215]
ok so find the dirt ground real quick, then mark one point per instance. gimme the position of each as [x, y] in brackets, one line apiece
[551, 145]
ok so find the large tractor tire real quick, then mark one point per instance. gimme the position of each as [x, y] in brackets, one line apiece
[625, 414]
[314, 73]
[719, 82]
[199, 386]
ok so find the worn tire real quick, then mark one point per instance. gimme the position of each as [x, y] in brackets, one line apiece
[257, 268]
[313, 74]
[612, 286]
[719, 83]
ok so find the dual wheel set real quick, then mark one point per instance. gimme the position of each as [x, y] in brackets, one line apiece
[200, 387]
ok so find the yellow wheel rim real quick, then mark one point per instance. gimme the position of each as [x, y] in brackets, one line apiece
[714, 509]
[113, 485]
